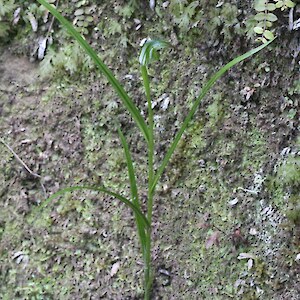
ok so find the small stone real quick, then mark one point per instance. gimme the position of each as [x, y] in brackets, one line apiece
[246, 256]
[297, 259]
[165, 4]
[201, 163]
[233, 202]
[250, 264]
[47, 179]
[201, 188]
[115, 268]
[253, 231]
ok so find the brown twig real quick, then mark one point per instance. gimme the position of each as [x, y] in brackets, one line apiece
[52, 21]
[20, 160]
[17, 157]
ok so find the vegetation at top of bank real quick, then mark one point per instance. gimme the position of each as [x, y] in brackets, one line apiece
[265, 17]
[210, 20]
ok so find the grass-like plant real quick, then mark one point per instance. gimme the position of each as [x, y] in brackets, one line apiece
[143, 219]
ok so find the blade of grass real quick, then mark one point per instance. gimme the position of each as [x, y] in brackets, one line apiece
[103, 68]
[134, 191]
[148, 55]
[135, 209]
[191, 113]
[131, 173]
[146, 83]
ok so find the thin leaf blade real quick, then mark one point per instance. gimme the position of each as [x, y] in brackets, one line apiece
[102, 67]
[127, 202]
[191, 113]
[131, 173]
[134, 189]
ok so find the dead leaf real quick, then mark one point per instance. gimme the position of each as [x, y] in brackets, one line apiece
[247, 92]
[152, 4]
[204, 222]
[253, 231]
[33, 22]
[233, 201]
[246, 256]
[213, 239]
[16, 16]
[114, 269]
[21, 257]
[250, 264]
[42, 47]
[26, 141]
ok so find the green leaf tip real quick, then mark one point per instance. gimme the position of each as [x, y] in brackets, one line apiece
[192, 111]
[150, 53]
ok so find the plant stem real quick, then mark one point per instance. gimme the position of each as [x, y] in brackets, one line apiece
[147, 256]
[148, 271]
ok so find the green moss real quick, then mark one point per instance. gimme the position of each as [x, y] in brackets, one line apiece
[288, 174]
[216, 110]
[255, 150]
[295, 89]
[293, 214]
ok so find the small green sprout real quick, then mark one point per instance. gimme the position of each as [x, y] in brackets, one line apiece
[150, 52]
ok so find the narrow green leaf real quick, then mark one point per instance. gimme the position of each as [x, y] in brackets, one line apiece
[97, 189]
[146, 83]
[131, 173]
[191, 113]
[134, 190]
[102, 67]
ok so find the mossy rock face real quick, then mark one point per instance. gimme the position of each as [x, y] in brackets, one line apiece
[226, 215]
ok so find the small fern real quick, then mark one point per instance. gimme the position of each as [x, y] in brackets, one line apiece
[69, 59]
[4, 29]
[184, 13]
[6, 7]
[289, 173]
[265, 17]
[6, 11]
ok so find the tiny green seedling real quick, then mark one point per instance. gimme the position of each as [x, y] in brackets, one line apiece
[148, 54]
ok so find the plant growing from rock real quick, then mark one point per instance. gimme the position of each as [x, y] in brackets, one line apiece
[143, 219]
